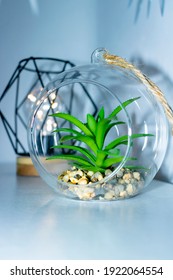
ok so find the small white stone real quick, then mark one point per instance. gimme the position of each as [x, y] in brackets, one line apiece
[109, 195]
[83, 181]
[75, 173]
[90, 173]
[79, 172]
[66, 178]
[120, 174]
[121, 181]
[127, 177]
[130, 189]
[73, 180]
[85, 193]
[73, 168]
[100, 177]
[120, 188]
[95, 177]
[123, 194]
[136, 175]
[108, 172]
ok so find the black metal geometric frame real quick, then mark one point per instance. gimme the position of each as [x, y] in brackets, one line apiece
[31, 65]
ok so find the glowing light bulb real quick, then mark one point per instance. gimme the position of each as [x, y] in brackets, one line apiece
[54, 105]
[40, 114]
[49, 121]
[31, 97]
[53, 96]
[46, 107]
[49, 128]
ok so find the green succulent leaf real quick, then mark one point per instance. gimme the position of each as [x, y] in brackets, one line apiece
[82, 138]
[110, 161]
[119, 108]
[66, 138]
[90, 168]
[78, 159]
[101, 131]
[74, 121]
[113, 153]
[68, 130]
[112, 125]
[124, 140]
[88, 141]
[101, 155]
[109, 126]
[91, 122]
[101, 114]
[118, 141]
[82, 150]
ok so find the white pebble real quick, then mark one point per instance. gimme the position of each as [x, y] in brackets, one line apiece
[73, 168]
[123, 194]
[127, 177]
[100, 177]
[130, 189]
[108, 172]
[90, 173]
[77, 172]
[120, 188]
[83, 181]
[73, 180]
[66, 178]
[96, 176]
[109, 195]
[136, 175]
[121, 181]
[120, 174]
[85, 193]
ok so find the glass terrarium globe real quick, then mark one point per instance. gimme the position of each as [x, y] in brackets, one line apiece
[141, 125]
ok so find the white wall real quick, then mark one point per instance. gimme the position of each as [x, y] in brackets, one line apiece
[72, 29]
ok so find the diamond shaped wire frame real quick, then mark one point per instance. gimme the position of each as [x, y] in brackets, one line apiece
[30, 76]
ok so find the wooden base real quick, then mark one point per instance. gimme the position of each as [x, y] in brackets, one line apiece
[25, 167]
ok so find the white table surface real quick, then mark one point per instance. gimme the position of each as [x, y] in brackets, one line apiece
[37, 224]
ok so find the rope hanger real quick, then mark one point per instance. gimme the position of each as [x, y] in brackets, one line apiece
[154, 89]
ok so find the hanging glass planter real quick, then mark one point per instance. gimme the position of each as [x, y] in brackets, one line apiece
[108, 151]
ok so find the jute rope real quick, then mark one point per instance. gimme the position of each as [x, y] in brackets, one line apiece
[119, 61]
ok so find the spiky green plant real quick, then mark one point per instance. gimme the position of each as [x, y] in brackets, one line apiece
[96, 156]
